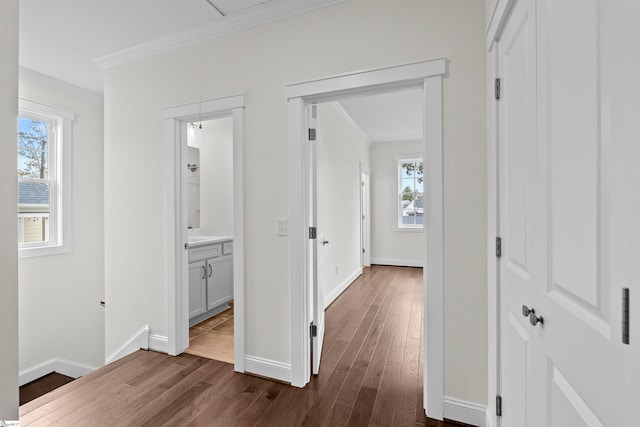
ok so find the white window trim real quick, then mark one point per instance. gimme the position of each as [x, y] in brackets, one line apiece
[60, 166]
[404, 158]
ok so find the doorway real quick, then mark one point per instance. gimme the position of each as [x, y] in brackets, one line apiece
[428, 76]
[210, 237]
[215, 258]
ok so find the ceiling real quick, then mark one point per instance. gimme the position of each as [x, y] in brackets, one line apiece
[388, 117]
[74, 40]
[71, 40]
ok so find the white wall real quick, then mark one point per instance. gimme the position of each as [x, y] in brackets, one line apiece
[215, 141]
[388, 245]
[8, 210]
[355, 35]
[341, 151]
[489, 5]
[60, 312]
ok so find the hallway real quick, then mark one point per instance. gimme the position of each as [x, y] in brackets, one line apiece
[371, 374]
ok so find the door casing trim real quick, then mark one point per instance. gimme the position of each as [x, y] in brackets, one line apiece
[428, 76]
[176, 223]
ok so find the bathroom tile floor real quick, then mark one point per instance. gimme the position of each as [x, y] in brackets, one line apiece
[213, 338]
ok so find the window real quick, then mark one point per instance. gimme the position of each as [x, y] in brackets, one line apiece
[44, 175]
[410, 193]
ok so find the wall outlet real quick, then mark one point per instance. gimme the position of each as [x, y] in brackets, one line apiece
[282, 227]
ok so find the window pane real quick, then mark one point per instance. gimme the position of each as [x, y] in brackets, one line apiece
[412, 209]
[408, 185]
[34, 229]
[33, 148]
[410, 195]
[33, 212]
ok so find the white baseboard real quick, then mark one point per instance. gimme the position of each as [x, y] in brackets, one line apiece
[137, 341]
[465, 412]
[268, 368]
[397, 262]
[489, 420]
[328, 299]
[61, 366]
[158, 343]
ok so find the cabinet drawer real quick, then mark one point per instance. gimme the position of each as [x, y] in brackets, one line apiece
[205, 252]
[227, 248]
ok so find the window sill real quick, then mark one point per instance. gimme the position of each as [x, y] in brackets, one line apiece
[409, 229]
[43, 251]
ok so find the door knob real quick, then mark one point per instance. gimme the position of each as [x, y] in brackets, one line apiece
[324, 242]
[531, 314]
[534, 320]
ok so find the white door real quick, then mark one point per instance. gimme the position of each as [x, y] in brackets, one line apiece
[520, 270]
[317, 296]
[365, 213]
[568, 138]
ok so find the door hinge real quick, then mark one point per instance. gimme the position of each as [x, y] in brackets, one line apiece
[312, 232]
[498, 247]
[499, 406]
[497, 87]
[312, 134]
[313, 331]
[625, 315]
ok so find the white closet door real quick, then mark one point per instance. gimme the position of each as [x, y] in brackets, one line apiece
[585, 146]
[521, 273]
[569, 212]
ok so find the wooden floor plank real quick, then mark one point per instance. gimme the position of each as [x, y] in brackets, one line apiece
[80, 383]
[371, 374]
[384, 406]
[92, 387]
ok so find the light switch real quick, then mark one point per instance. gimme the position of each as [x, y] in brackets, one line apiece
[282, 227]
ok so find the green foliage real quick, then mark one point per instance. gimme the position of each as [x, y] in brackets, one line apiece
[414, 169]
[33, 149]
[407, 194]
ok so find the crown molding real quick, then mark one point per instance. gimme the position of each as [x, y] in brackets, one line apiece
[250, 18]
[53, 83]
[347, 118]
[411, 139]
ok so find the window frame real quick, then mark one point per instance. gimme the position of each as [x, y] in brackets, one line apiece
[59, 178]
[398, 161]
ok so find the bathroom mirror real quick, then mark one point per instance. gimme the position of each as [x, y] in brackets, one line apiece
[209, 171]
[193, 186]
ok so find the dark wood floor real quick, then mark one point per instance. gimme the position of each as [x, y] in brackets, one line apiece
[42, 386]
[371, 374]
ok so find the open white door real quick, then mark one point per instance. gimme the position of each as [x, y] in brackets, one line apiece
[520, 272]
[568, 156]
[365, 204]
[317, 296]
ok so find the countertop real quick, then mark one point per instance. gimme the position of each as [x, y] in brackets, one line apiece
[203, 240]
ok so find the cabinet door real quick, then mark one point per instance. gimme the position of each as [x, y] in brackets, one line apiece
[219, 281]
[197, 288]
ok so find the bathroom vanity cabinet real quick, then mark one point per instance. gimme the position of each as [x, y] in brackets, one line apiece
[210, 277]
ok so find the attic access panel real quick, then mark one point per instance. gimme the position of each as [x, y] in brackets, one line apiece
[228, 7]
